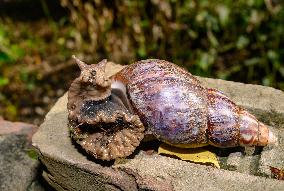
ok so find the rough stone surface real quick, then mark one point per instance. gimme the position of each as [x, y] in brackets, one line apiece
[234, 161]
[17, 169]
[68, 168]
[17, 128]
[272, 157]
[186, 176]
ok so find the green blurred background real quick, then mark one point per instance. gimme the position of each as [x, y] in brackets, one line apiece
[233, 40]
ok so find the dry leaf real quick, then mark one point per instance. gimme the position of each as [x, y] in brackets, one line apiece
[197, 155]
[277, 173]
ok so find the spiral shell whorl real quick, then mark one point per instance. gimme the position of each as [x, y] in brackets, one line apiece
[168, 100]
[253, 132]
[223, 120]
[178, 110]
[230, 125]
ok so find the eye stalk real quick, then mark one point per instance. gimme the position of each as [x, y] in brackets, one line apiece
[82, 65]
[93, 74]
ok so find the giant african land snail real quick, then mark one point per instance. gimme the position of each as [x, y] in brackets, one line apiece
[108, 116]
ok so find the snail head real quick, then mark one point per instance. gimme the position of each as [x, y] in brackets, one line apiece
[93, 74]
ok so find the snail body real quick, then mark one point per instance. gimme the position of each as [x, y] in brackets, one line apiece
[162, 98]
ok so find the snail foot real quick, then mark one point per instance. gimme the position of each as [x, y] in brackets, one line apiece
[106, 130]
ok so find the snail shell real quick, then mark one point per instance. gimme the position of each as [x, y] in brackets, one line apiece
[108, 116]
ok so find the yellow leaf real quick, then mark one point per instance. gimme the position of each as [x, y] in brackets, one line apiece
[197, 155]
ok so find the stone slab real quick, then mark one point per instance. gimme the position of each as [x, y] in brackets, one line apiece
[272, 157]
[17, 128]
[68, 168]
[17, 169]
[234, 161]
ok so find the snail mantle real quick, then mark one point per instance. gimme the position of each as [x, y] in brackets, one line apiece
[68, 168]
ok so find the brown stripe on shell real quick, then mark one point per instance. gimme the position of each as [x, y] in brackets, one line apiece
[153, 68]
[253, 132]
[249, 129]
[223, 127]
